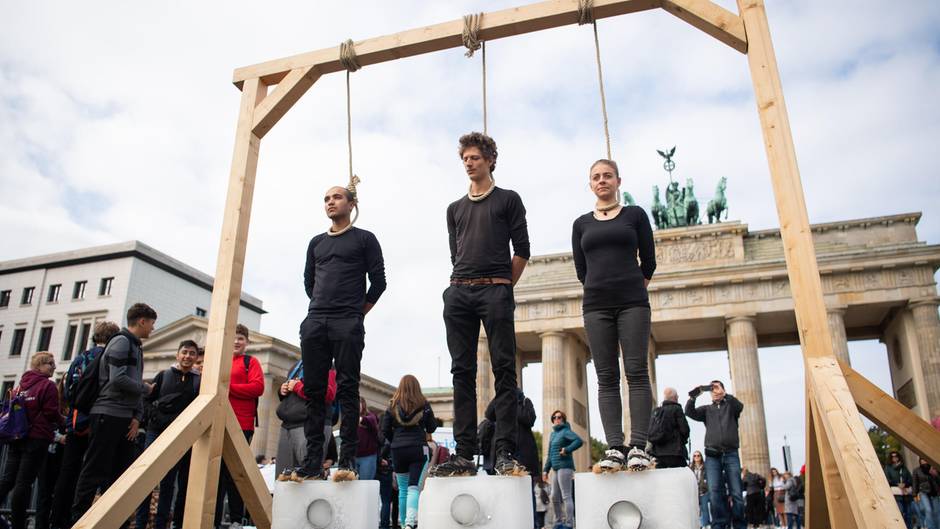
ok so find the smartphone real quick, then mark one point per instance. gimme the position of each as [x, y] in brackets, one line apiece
[706, 388]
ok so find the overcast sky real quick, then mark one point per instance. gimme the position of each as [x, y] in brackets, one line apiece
[117, 121]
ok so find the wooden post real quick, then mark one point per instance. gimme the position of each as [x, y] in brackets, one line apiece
[817, 508]
[241, 465]
[833, 495]
[223, 316]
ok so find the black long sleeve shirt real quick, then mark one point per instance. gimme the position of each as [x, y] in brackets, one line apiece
[721, 422]
[605, 258]
[336, 270]
[480, 233]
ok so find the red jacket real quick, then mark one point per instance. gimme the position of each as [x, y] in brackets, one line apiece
[244, 390]
[42, 405]
[330, 388]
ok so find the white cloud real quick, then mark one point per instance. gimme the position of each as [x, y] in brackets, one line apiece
[118, 121]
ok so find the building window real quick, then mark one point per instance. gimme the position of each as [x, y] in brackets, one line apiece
[78, 292]
[53, 296]
[83, 341]
[105, 288]
[69, 342]
[27, 295]
[7, 388]
[5, 298]
[45, 336]
[19, 335]
[201, 312]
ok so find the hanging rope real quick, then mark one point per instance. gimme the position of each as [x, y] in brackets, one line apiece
[347, 57]
[471, 41]
[586, 16]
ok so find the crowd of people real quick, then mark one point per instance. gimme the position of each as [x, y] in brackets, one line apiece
[85, 433]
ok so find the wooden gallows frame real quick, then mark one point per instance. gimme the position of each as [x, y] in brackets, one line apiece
[846, 487]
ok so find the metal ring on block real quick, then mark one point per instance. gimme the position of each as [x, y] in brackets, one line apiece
[624, 515]
[320, 514]
[465, 510]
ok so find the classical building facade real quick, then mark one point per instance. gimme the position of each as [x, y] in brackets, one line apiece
[724, 288]
[277, 357]
[52, 302]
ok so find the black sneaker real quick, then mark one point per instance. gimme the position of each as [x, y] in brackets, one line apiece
[454, 466]
[507, 466]
[614, 460]
[301, 474]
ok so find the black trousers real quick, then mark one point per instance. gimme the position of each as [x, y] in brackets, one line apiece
[325, 342]
[109, 455]
[410, 460]
[25, 459]
[671, 462]
[46, 487]
[236, 505]
[464, 307]
[73, 453]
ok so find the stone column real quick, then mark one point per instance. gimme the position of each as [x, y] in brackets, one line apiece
[745, 376]
[553, 381]
[576, 401]
[840, 344]
[519, 365]
[927, 329]
[486, 384]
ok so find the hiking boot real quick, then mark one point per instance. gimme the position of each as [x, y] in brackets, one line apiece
[507, 466]
[346, 471]
[454, 466]
[301, 474]
[638, 460]
[613, 460]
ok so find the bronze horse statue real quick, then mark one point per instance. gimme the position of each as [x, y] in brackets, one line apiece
[719, 204]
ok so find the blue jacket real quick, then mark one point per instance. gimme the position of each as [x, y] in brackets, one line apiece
[562, 437]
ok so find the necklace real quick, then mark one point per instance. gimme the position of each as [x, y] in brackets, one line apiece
[607, 208]
[481, 197]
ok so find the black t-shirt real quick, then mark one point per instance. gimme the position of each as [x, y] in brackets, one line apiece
[336, 270]
[480, 232]
[606, 258]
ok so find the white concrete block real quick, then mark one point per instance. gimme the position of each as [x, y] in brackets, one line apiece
[652, 499]
[326, 505]
[492, 502]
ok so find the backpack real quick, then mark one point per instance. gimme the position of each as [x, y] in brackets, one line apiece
[14, 422]
[75, 373]
[88, 387]
[796, 493]
[659, 432]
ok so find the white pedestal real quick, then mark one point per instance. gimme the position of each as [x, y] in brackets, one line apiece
[493, 502]
[652, 499]
[326, 505]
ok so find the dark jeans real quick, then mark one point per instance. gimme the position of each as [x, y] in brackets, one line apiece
[327, 342]
[46, 488]
[410, 460]
[109, 455]
[609, 332]
[794, 521]
[175, 477]
[723, 473]
[72, 457]
[236, 506]
[25, 459]
[385, 494]
[464, 307]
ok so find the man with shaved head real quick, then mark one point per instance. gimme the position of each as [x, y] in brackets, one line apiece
[669, 432]
[338, 263]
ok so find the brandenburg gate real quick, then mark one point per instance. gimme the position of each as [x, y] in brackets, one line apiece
[721, 287]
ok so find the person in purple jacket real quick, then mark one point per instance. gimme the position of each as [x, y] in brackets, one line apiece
[26, 456]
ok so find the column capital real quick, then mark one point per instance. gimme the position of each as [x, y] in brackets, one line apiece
[836, 309]
[750, 318]
[924, 302]
[549, 334]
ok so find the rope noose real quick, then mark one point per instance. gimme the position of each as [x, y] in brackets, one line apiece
[586, 16]
[471, 41]
[347, 57]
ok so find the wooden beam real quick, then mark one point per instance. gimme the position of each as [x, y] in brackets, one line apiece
[244, 471]
[802, 268]
[712, 19]
[495, 25]
[872, 504]
[223, 314]
[883, 410]
[123, 497]
[288, 92]
[817, 508]
[836, 501]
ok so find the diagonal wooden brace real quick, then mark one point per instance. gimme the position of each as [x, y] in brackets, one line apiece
[240, 463]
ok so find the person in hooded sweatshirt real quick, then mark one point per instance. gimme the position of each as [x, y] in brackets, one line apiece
[405, 425]
[26, 456]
